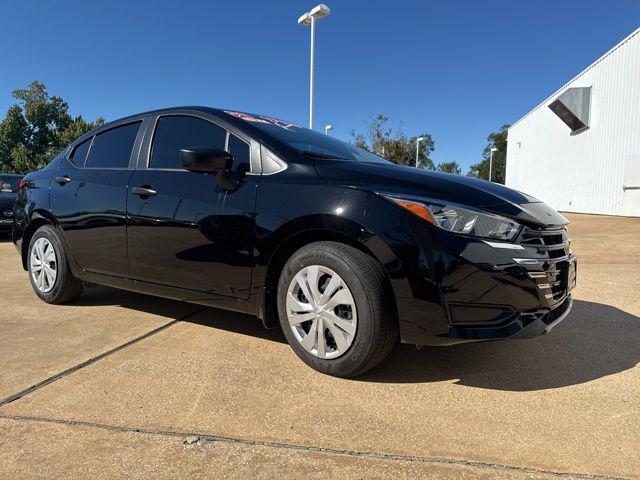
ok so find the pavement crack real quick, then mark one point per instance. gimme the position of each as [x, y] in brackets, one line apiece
[208, 438]
[92, 360]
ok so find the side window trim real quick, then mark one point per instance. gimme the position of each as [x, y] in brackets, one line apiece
[271, 163]
[88, 151]
[256, 161]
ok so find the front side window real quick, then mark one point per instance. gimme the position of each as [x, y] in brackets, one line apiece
[79, 154]
[241, 153]
[112, 148]
[176, 132]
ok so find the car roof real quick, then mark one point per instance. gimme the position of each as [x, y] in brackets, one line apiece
[223, 114]
[158, 111]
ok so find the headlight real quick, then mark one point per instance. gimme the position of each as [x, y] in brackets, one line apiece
[461, 220]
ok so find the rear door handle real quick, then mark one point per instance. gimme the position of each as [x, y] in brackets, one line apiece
[62, 180]
[143, 191]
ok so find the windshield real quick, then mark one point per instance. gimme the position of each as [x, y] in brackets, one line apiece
[308, 142]
[9, 184]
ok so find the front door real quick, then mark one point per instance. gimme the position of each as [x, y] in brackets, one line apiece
[185, 231]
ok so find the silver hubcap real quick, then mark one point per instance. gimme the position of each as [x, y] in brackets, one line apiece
[44, 265]
[321, 312]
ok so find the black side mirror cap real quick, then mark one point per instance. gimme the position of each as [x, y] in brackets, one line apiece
[206, 160]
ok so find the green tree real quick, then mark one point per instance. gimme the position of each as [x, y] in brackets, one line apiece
[481, 170]
[78, 127]
[449, 167]
[36, 128]
[394, 145]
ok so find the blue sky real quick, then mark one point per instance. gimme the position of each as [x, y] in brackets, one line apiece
[455, 69]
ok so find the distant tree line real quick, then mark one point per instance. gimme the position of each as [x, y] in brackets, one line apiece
[394, 145]
[38, 126]
[481, 170]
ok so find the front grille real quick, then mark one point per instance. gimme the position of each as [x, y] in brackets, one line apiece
[557, 253]
[552, 246]
[558, 280]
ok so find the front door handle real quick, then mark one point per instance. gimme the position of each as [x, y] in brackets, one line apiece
[143, 191]
[62, 180]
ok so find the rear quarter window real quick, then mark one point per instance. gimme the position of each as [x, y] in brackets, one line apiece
[79, 154]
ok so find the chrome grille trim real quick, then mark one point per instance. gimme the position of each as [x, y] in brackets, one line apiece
[553, 244]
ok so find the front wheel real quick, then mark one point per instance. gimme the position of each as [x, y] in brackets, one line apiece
[334, 309]
[49, 271]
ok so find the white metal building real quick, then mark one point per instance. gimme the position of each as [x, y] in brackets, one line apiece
[579, 150]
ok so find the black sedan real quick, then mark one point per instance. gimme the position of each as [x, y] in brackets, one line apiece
[9, 185]
[344, 250]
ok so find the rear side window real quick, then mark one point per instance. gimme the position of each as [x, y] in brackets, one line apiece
[176, 132]
[112, 149]
[241, 153]
[79, 154]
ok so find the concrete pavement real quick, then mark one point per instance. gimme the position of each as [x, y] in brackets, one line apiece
[127, 369]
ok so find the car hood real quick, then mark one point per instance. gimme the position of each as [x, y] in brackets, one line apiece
[446, 187]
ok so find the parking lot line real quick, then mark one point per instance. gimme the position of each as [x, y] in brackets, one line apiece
[203, 438]
[68, 371]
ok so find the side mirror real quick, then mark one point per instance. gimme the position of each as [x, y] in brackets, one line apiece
[205, 160]
[208, 160]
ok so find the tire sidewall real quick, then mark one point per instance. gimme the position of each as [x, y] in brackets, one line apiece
[61, 264]
[360, 348]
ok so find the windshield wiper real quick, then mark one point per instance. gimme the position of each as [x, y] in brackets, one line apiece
[310, 153]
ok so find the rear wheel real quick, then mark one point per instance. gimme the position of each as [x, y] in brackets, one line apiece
[334, 310]
[49, 271]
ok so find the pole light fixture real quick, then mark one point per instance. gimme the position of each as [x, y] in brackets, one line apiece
[418, 140]
[327, 128]
[309, 20]
[493, 149]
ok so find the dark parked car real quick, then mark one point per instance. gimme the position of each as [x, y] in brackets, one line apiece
[9, 185]
[344, 250]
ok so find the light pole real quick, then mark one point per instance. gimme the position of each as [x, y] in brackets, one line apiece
[418, 140]
[309, 19]
[327, 128]
[493, 149]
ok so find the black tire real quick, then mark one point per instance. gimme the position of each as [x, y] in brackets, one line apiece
[377, 323]
[66, 287]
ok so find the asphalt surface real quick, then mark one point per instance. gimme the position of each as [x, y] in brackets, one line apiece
[120, 385]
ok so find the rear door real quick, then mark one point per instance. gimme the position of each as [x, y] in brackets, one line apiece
[89, 194]
[190, 234]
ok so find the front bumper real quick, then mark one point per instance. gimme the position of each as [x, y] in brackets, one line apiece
[524, 325]
[469, 290]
